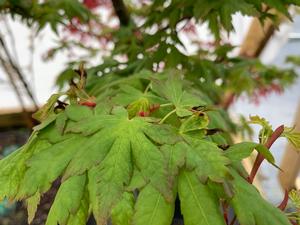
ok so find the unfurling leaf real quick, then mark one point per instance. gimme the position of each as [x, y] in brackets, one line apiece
[266, 130]
[47, 109]
[294, 195]
[292, 136]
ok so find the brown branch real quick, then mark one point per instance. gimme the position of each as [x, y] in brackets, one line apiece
[284, 202]
[121, 12]
[260, 158]
[18, 73]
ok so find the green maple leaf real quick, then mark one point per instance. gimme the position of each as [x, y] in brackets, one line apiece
[172, 90]
[251, 208]
[69, 206]
[207, 160]
[48, 165]
[152, 208]
[124, 144]
[199, 204]
[129, 94]
[175, 156]
[13, 167]
[242, 150]
[123, 212]
[32, 205]
[81, 216]
[77, 112]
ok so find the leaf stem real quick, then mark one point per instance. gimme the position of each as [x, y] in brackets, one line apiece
[166, 117]
[166, 105]
[148, 87]
[260, 158]
[284, 202]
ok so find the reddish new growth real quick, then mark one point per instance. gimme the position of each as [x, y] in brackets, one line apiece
[89, 104]
[260, 158]
[265, 91]
[154, 107]
[143, 113]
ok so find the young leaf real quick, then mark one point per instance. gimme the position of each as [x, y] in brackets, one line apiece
[292, 136]
[294, 195]
[242, 150]
[47, 109]
[194, 122]
[172, 90]
[266, 130]
[199, 205]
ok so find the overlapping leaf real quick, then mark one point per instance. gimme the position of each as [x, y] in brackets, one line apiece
[199, 205]
[207, 160]
[152, 208]
[251, 208]
[13, 167]
[69, 207]
[172, 90]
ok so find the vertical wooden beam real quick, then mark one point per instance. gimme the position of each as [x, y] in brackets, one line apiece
[257, 37]
[290, 164]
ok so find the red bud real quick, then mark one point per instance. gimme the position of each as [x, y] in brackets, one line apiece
[89, 104]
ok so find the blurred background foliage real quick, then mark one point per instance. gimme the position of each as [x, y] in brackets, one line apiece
[138, 38]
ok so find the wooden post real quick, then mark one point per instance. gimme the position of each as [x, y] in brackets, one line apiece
[290, 164]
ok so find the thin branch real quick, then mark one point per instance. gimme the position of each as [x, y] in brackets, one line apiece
[8, 71]
[12, 39]
[121, 12]
[284, 202]
[260, 158]
[18, 72]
